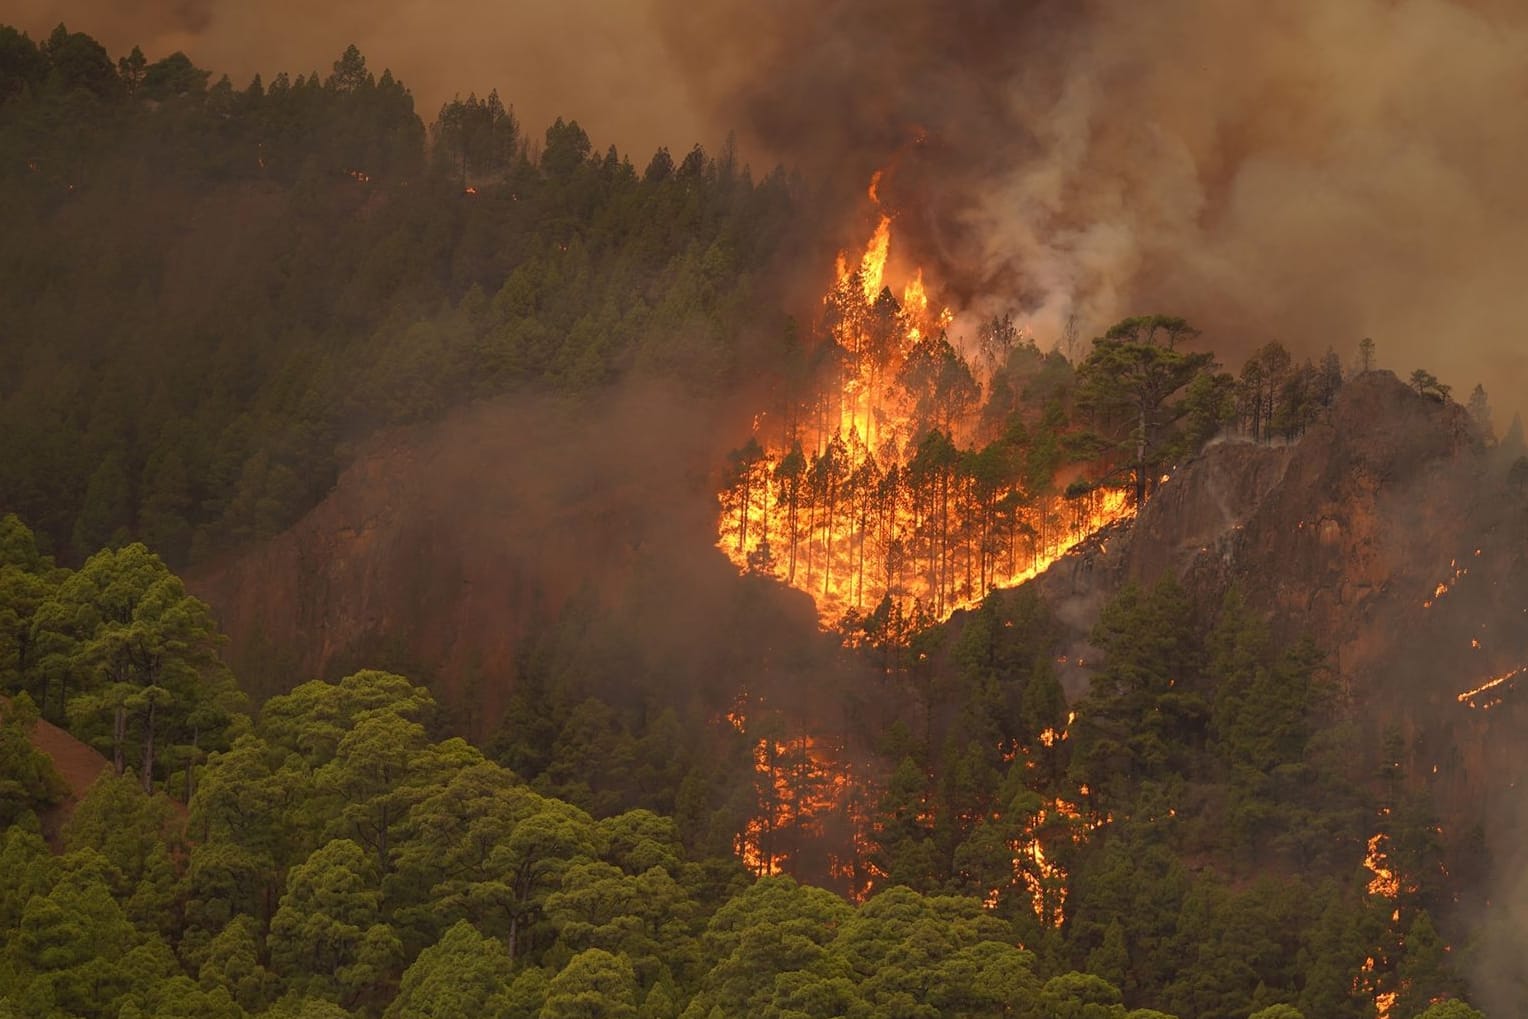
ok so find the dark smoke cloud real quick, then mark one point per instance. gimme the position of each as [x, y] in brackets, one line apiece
[594, 61]
[1307, 171]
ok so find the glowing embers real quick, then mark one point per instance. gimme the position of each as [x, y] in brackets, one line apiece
[1384, 1001]
[1445, 586]
[1489, 694]
[1044, 879]
[809, 798]
[1383, 880]
[1057, 822]
[869, 487]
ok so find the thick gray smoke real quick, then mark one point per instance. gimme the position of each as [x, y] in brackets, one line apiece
[1310, 172]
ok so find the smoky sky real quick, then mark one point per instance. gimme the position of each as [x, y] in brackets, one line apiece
[1306, 171]
[596, 61]
[1310, 172]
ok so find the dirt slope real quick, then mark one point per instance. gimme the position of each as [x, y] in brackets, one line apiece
[442, 547]
[77, 763]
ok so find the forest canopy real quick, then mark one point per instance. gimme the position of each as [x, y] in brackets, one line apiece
[212, 292]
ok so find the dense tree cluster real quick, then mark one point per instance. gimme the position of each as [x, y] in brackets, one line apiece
[902, 469]
[120, 652]
[211, 292]
[341, 854]
[860, 521]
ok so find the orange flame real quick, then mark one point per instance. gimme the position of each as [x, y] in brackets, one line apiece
[844, 502]
[1043, 879]
[1384, 882]
[804, 784]
[914, 297]
[852, 516]
[1470, 696]
[1445, 586]
[873, 264]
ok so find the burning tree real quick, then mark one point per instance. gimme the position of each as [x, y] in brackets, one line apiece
[888, 476]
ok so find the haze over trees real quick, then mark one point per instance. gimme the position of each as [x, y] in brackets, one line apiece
[210, 292]
[339, 848]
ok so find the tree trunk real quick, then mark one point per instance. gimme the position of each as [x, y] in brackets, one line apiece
[791, 524]
[196, 736]
[742, 513]
[118, 736]
[1140, 460]
[148, 749]
[827, 540]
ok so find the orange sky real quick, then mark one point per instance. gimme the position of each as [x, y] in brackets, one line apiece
[597, 61]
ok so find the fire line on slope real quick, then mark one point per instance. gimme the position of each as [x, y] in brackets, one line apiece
[857, 498]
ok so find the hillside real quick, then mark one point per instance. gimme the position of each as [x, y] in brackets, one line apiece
[77, 763]
[442, 548]
[1387, 529]
[509, 579]
[441, 544]
[1391, 535]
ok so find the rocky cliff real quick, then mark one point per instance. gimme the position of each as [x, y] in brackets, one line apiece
[1392, 533]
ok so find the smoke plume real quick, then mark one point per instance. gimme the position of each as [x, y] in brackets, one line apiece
[1307, 172]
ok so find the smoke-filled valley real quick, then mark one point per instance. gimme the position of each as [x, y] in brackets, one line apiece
[489, 574]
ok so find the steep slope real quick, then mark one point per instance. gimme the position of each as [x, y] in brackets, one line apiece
[1391, 534]
[440, 549]
[76, 762]
[78, 765]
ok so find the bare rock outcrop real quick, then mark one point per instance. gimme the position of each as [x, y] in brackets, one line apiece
[1393, 534]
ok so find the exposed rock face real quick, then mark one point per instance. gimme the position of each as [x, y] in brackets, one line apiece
[1189, 527]
[1389, 533]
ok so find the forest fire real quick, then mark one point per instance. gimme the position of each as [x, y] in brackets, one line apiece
[1378, 978]
[870, 484]
[1384, 881]
[805, 786]
[1384, 1001]
[1473, 697]
[1044, 880]
[1445, 586]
